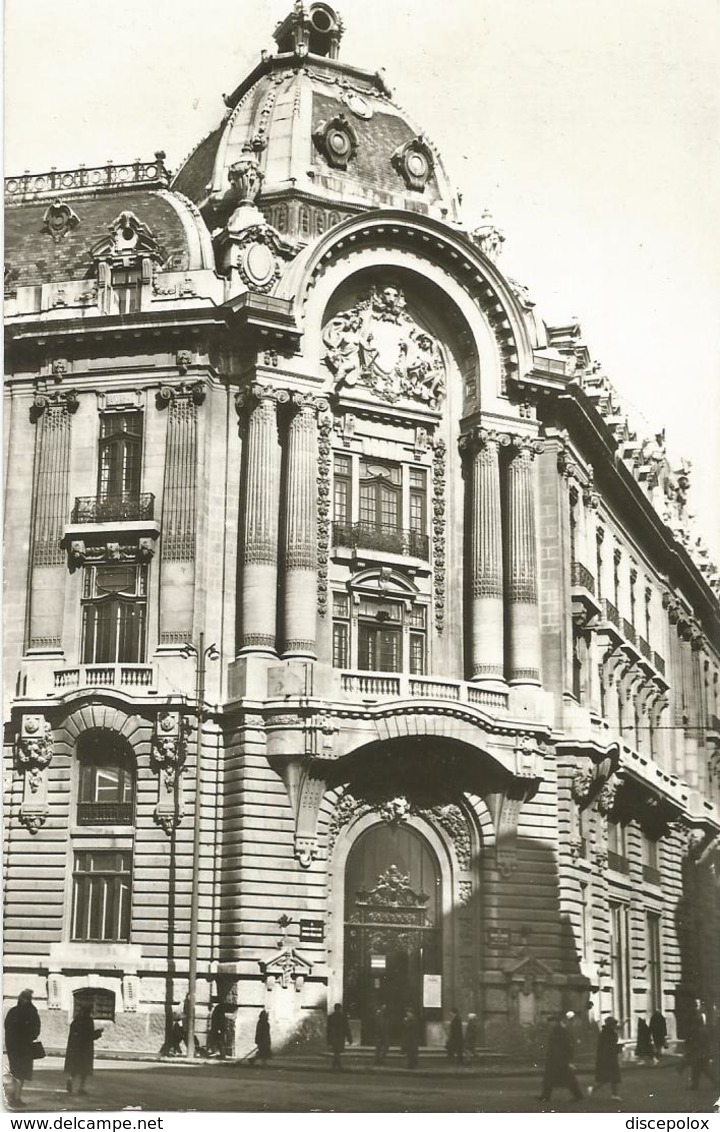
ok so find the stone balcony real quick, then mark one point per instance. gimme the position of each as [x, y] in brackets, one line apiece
[370, 687]
[40, 678]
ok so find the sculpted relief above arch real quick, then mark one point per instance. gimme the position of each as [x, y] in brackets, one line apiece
[379, 346]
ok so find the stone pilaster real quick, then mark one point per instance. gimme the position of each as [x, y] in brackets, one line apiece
[300, 558]
[261, 505]
[521, 580]
[486, 558]
[51, 511]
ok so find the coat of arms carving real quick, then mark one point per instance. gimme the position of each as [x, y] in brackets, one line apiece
[377, 344]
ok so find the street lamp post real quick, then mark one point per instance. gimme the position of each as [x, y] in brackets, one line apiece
[202, 655]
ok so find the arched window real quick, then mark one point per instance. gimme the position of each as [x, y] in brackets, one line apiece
[106, 784]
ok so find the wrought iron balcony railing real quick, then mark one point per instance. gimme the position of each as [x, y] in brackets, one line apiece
[394, 540]
[651, 874]
[629, 631]
[113, 508]
[618, 863]
[105, 813]
[581, 576]
[611, 613]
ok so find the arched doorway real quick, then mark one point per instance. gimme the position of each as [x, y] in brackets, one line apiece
[393, 936]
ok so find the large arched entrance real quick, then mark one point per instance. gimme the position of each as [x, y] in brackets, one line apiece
[393, 931]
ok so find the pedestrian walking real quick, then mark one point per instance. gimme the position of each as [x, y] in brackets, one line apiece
[177, 1035]
[454, 1044]
[382, 1034]
[410, 1038]
[644, 1048]
[559, 1069]
[80, 1052]
[216, 1032]
[22, 1030]
[658, 1033]
[262, 1038]
[471, 1036]
[607, 1060]
[698, 1053]
[338, 1032]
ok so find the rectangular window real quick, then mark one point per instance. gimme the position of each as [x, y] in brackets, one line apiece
[585, 924]
[417, 640]
[341, 631]
[652, 930]
[617, 847]
[127, 289]
[101, 895]
[379, 649]
[114, 612]
[342, 491]
[380, 496]
[121, 436]
[620, 960]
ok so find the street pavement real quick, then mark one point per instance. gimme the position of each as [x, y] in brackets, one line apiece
[309, 1085]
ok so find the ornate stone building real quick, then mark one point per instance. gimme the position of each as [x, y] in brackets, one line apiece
[356, 646]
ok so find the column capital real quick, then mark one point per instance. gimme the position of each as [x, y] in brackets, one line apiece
[480, 439]
[309, 402]
[527, 446]
[185, 390]
[60, 399]
[257, 393]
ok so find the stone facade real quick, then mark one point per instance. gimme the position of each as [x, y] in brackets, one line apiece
[327, 559]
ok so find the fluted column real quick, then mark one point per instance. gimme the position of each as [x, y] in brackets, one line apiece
[300, 552]
[259, 551]
[486, 558]
[521, 581]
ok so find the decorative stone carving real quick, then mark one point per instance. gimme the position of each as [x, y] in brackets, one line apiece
[414, 161]
[34, 748]
[337, 141]
[245, 175]
[581, 785]
[286, 968]
[323, 510]
[82, 554]
[465, 889]
[439, 486]
[168, 746]
[488, 238]
[128, 240]
[606, 797]
[60, 219]
[377, 345]
[168, 820]
[306, 850]
[397, 810]
[61, 400]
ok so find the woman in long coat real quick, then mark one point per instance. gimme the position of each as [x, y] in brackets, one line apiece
[607, 1066]
[80, 1052]
[262, 1037]
[22, 1028]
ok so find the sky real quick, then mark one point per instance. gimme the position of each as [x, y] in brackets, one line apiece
[589, 128]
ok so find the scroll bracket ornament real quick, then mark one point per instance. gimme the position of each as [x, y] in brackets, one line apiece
[34, 754]
[168, 757]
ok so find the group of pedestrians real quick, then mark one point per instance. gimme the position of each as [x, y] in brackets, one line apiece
[23, 1047]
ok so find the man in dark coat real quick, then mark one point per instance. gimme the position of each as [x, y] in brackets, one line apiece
[644, 1048]
[698, 1053]
[454, 1044]
[471, 1036]
[338, 1032]
[382, 1035]
[22, 1028]
[658, 1032]
[410, 1038]
[216, 1032]
[559, 1069]
[607, 1063]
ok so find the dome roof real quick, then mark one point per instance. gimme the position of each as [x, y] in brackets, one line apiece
[321, 129]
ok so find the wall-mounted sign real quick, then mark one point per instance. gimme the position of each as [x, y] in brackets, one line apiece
[312, 931]
[497, 937]
[432, 992]
[377, 962]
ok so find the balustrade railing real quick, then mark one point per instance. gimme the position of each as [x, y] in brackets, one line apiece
[380, 685]
[395, 540]
[581, 576]
[113, 508]
[104, 675]
[96, 177]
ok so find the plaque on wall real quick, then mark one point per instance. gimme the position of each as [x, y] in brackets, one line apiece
[432, 992]
[496, 937]
[312, 931]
